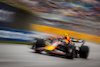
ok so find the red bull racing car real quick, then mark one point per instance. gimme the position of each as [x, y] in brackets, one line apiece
[62, 46]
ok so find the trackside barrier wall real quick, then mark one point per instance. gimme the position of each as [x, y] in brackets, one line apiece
[58, 31]
[16, 35]
[20, 36]
[16, 23]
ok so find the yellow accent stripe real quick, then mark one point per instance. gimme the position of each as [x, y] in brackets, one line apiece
[58, 31]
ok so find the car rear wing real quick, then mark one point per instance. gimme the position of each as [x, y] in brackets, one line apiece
[78, 40]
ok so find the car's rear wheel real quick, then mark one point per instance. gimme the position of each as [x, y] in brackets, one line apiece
[84, 51]
[38, 44]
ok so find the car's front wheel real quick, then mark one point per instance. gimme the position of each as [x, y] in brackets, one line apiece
[70, 50]
[84, 51]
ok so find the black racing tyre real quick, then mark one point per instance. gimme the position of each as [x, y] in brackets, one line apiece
[84, 51]
[72, 53]
[71, 56]
[39, 43]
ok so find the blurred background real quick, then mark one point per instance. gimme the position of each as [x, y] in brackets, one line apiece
[78, 18]
[21, 21]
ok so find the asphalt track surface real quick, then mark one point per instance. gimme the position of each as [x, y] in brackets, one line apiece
[16, 55]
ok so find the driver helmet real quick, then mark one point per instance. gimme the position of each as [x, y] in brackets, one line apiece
[65, 36]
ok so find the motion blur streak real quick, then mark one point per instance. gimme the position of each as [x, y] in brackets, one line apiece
[14, 55]
[48, 29]
[26, 20]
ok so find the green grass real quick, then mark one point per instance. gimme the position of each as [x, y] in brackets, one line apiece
[15, 42]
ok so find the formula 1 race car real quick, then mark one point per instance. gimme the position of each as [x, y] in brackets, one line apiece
[61, 47]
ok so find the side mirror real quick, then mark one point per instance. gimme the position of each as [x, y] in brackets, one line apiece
[78, 40]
